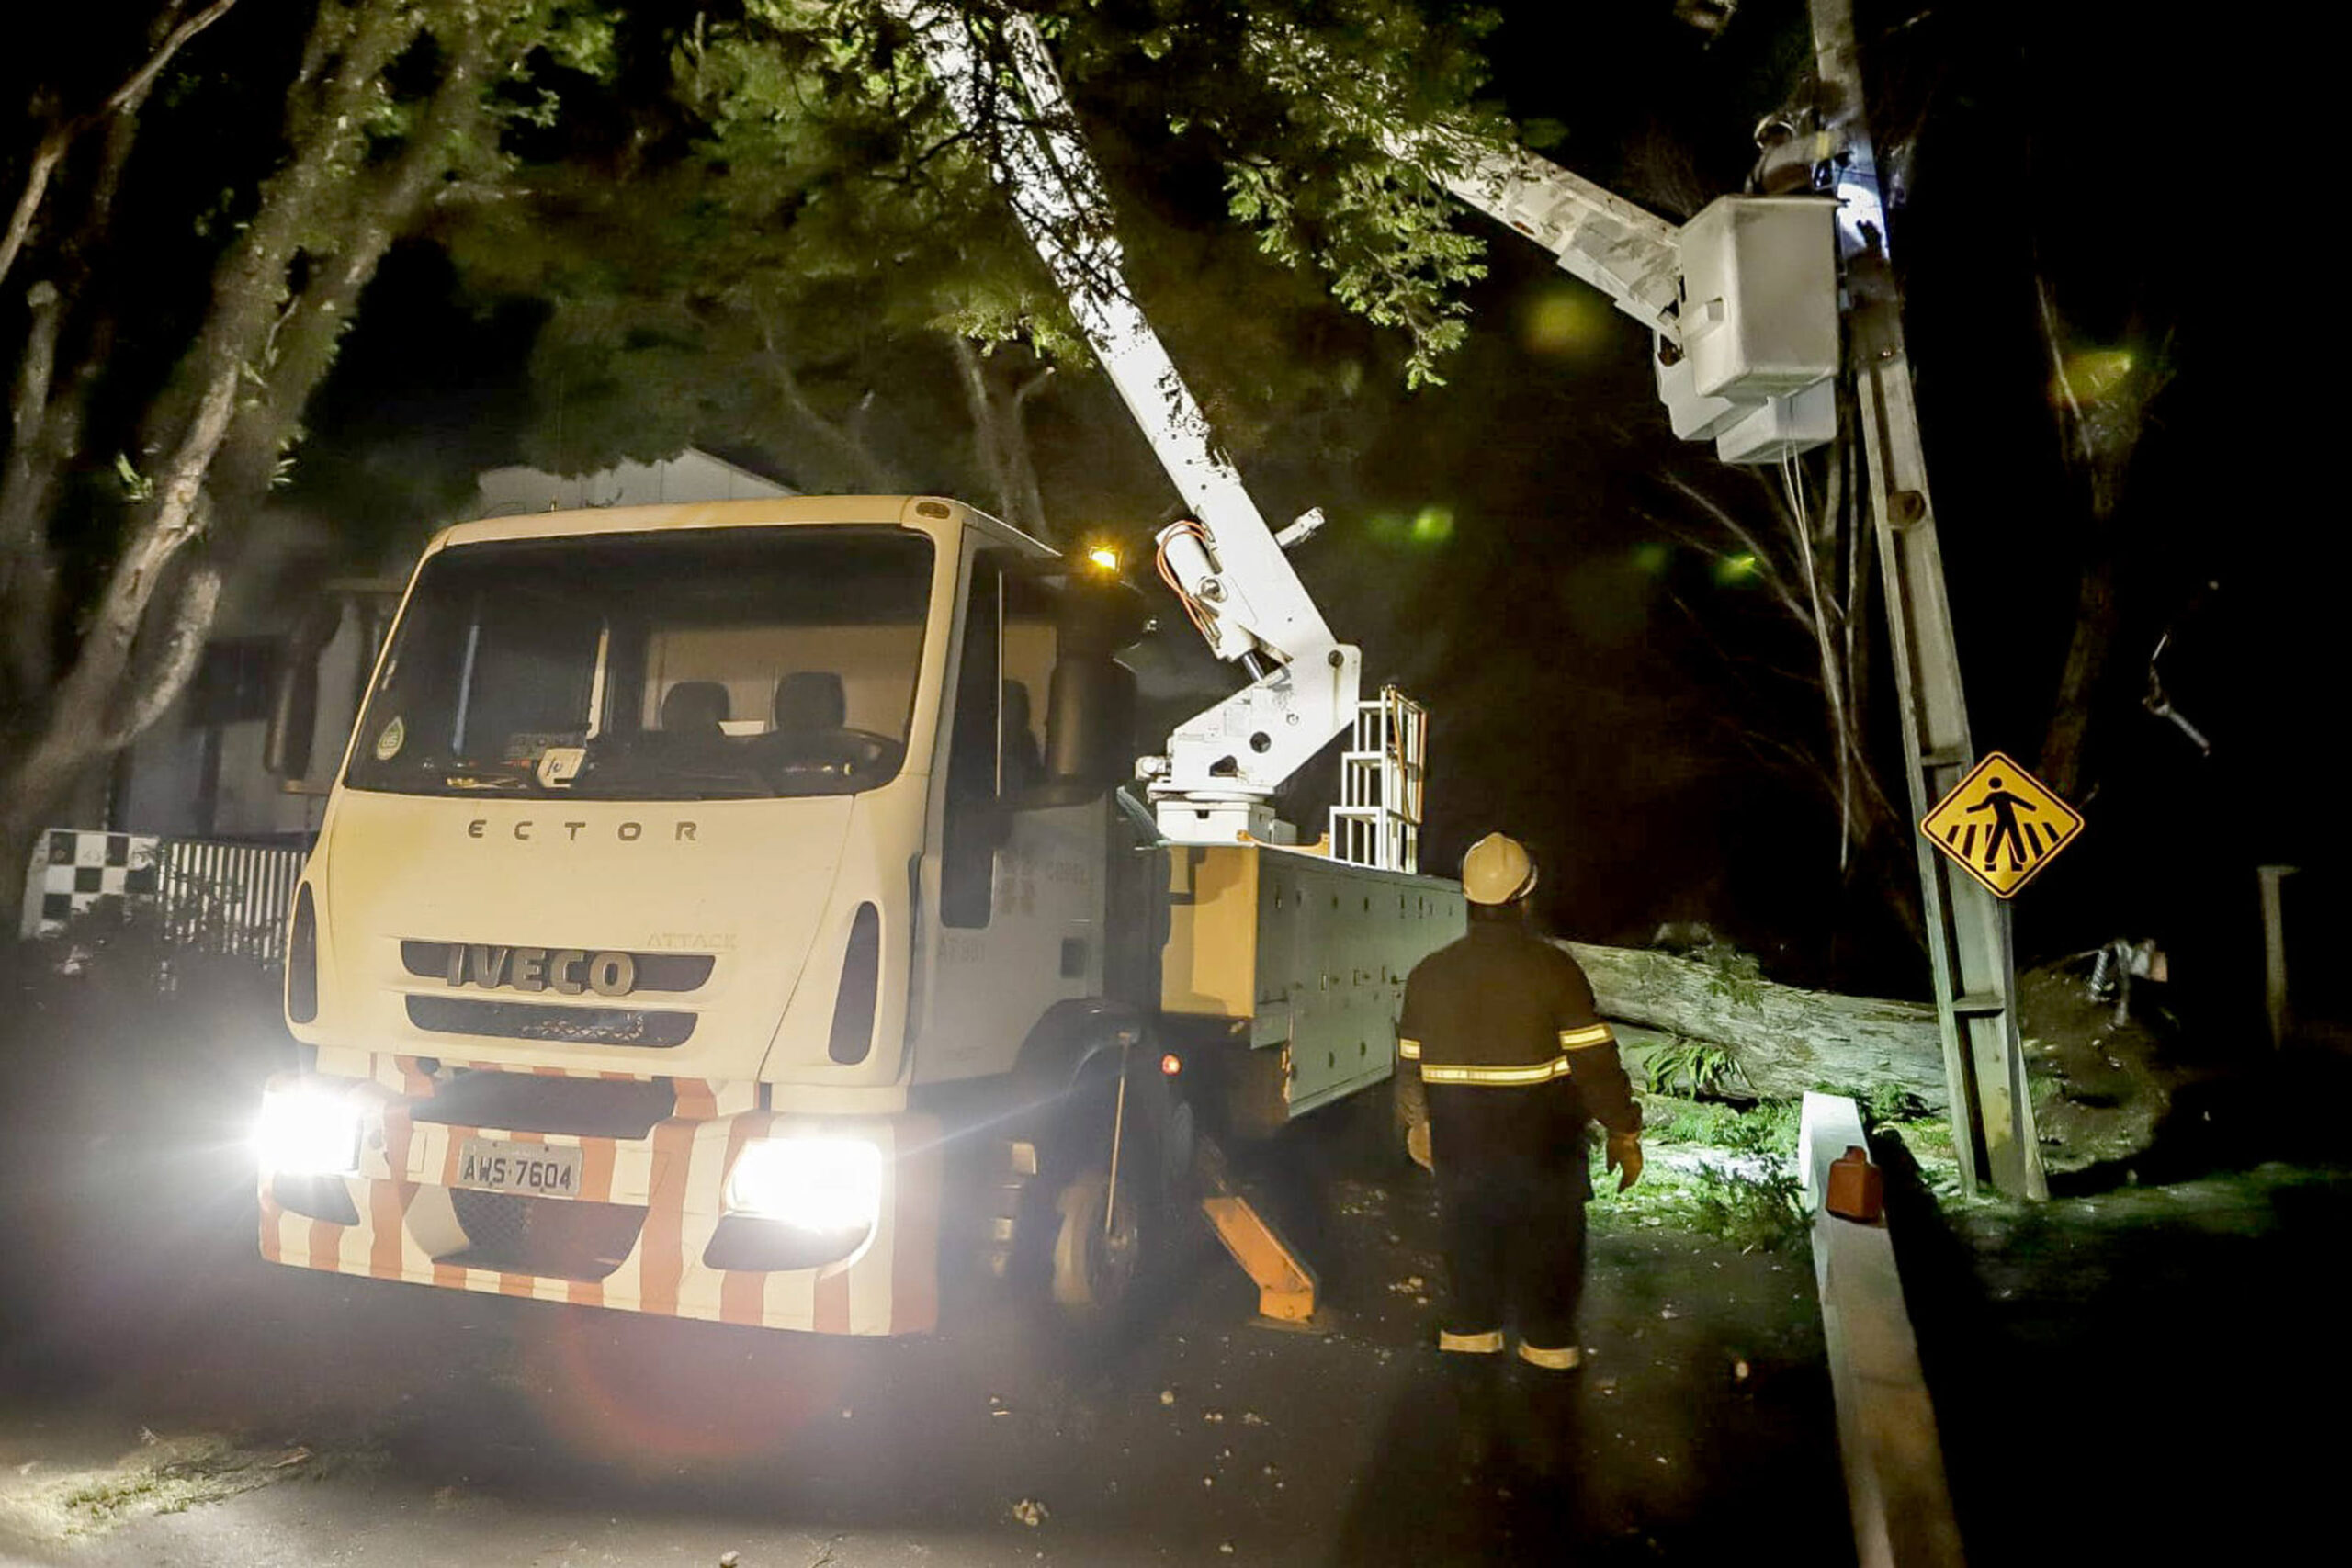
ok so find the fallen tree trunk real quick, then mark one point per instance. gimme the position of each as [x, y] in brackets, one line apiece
[1784, 1040]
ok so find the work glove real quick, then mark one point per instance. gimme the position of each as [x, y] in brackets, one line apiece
[1624, 1157]
[1417, 1144]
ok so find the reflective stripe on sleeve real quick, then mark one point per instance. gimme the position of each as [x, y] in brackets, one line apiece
[1591, 1034]
[1410, 1050]
[1497, 1078]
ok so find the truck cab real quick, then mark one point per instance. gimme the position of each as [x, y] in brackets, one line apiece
[682, 863]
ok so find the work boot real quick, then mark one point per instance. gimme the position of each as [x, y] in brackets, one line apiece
[1473, 1367]
[1546, 1405]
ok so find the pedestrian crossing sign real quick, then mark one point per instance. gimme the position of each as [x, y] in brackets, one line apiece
[2002, 825]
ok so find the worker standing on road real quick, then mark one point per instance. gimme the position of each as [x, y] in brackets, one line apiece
[1503, 1062]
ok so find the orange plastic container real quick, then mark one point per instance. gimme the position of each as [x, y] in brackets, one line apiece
[1857, 1190]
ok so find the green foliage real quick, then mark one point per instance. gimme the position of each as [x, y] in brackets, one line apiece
[136, 486]
[1328, 191]
[777, 248]
[1769, 1126]
[1884, 1105]
[1767, 1209]
[1763, 1210]
[1699, 1065]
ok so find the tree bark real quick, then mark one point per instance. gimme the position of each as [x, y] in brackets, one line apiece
[26, 570]
[376, 209]
[50, 417]
[76, 731]
[987, 436]
[1022, 460]
[250, 287]
[1785, 1041]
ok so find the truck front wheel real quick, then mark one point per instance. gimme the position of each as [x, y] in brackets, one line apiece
[1098, 1251]
[1118, 1218]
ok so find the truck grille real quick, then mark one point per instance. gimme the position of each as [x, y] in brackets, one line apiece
[560, 1238]
[532, 1020]
[675, 972]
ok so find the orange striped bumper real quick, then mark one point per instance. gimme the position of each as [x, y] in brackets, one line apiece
[409, 1228]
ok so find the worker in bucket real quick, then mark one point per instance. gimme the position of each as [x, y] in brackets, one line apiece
[1503, 1063]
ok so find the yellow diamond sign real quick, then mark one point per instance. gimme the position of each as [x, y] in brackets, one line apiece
[2002, 825]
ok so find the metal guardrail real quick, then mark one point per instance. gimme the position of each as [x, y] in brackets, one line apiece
[1893, 1461]
[207, 896]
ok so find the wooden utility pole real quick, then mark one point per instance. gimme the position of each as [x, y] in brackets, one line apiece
[1967, 927]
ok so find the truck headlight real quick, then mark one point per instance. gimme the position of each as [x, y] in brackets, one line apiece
[307, 1130]
[816, 1184]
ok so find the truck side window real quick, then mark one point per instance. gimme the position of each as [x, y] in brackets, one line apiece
[969, 853]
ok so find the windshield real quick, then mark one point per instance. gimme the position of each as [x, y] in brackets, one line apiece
[675, 666]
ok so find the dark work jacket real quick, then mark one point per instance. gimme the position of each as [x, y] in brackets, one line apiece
[1504, 1011]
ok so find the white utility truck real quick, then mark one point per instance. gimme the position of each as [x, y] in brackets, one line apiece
[734, 911]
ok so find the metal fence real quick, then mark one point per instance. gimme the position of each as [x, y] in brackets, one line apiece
[206, 896]
[229, 900]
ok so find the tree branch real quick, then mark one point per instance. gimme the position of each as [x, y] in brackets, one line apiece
[73, 733]
[249, 286]
[981, 407]
[27, 573]
[1023, 462]
[45, 159]
[124, 99]
[151, 693]
[303, 340]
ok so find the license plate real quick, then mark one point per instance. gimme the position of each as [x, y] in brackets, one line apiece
[536, 1170]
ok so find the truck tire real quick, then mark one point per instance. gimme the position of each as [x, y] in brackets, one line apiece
[1104, 1273]
[1096, 1263]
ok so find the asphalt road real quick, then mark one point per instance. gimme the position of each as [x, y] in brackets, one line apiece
[165, 1397]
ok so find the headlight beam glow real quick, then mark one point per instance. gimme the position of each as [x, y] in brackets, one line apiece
[815, 1184]
[307, 1130]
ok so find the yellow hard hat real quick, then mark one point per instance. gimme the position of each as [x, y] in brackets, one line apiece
[1498, 871]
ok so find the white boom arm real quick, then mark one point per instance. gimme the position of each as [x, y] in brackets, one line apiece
[1633, 257]
[1742, 300]
[1224, 762]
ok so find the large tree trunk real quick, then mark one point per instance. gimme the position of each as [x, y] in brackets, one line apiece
[1784, 1040]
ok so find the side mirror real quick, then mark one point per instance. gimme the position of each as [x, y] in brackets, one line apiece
[293, 722]
[1090, 732]
[1091, 723]
[294, 703]
[1091, 702]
